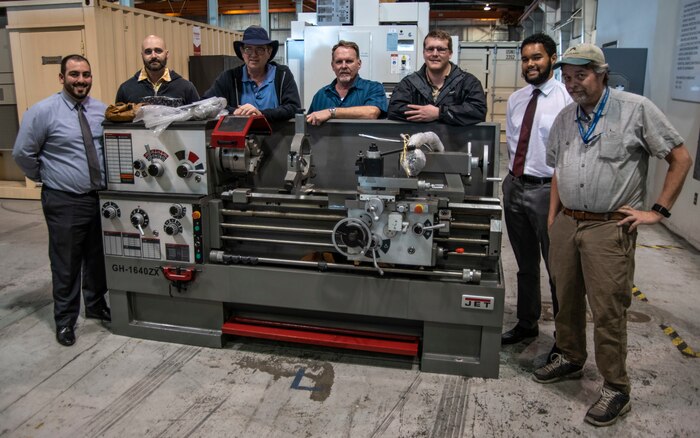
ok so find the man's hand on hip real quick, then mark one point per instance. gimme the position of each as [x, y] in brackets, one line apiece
[638, 217]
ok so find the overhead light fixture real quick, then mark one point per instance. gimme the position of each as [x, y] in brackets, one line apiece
[487, 7]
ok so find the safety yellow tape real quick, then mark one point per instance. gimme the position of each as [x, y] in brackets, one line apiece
[639, 245]
[678, 341]
[638, 294]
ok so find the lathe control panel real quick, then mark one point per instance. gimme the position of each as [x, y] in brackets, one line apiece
[138, 160]
[155, 230]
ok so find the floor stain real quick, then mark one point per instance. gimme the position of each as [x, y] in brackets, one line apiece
[321, 373]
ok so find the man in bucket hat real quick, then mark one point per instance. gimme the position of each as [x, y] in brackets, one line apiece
[599, 147]
[260, 86]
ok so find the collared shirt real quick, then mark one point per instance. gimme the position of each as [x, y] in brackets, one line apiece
[362, 93]
[553, 99]
[434, 89]
[611, 170]
[49, 145]
[165, 78]
[263, 96]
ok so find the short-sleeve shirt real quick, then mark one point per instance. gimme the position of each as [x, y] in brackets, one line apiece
[261, 96]
[611, 170]
[362, 93]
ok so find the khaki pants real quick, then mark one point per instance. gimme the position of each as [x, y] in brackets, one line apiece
[594, 260]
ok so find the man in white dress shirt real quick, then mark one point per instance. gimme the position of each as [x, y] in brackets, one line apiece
[526, 188]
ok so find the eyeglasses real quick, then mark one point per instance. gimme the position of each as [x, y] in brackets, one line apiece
[258, 50]
[440, 50]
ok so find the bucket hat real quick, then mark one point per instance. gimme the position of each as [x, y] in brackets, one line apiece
[255, 36]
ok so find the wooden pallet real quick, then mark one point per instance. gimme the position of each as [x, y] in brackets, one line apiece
[26, 189]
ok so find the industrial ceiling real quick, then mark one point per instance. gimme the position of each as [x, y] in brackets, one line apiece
[506, 11]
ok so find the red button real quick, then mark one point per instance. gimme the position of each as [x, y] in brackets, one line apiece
[459, 250]
[418, 208]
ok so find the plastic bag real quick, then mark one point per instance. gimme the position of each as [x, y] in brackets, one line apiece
[159, 117]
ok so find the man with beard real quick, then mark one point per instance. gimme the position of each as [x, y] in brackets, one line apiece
[599, 147]
[59, 144]
[529, 115]
[155, 79]
[440, 90]
[348, 96]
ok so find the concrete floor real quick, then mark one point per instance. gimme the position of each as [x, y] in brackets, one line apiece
[113, 386]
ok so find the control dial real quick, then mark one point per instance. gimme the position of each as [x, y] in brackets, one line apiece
[156, 168]
[139, 219]
[172, 227]
[186, 170]
[177, 211]
[140, 165]
[110, 210]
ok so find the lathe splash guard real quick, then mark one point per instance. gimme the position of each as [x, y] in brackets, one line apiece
[378, 236]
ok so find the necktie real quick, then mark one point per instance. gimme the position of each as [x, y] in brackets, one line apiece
[93, 162]
[524, 139]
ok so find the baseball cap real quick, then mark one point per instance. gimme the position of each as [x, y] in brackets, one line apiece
[581, 54]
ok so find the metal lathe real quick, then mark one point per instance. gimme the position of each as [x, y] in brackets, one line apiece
[378, 236]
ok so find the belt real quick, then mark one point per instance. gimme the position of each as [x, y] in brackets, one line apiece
[588, 216]
[93, 193]
[531, 179]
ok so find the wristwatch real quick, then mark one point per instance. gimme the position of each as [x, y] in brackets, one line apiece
[663, 211]
[332, 111]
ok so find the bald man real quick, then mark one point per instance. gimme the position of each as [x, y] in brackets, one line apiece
[155, 79]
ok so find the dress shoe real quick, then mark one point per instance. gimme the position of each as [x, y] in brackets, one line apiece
[101, 313]
[65, 336]
[517, 334]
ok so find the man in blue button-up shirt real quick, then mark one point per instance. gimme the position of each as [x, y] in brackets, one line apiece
[51, 149]
[348, 96]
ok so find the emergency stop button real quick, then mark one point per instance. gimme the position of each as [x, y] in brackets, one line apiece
[196, 215]
[418, 208]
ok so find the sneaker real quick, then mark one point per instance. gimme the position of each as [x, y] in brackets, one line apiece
[553, 353]
[611, 405]
[558, 369]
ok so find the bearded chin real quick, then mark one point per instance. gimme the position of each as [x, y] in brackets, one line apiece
[157, 66]
[541, 78]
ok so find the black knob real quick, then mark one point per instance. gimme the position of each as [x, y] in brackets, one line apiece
[109, 212]
[183, 171]
[177, 211]
[137, 219]
[155, 169]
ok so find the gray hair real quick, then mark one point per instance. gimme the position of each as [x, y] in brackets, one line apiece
[600, 69]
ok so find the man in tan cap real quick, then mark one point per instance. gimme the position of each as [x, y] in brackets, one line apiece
[599, 147]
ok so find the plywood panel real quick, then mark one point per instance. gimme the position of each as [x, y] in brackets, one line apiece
[48, 17]
[41, 80]
[109, 35]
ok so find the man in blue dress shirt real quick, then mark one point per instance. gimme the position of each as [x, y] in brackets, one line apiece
[60, 145]
[348, 96]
